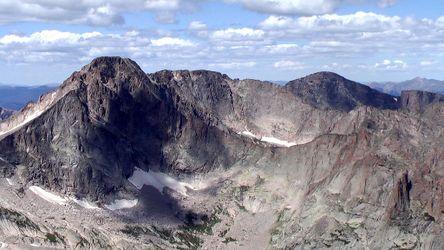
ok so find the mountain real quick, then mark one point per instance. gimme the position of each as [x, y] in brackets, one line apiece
[16, 97]
[418, 83]
[116, 158]
[330, 90]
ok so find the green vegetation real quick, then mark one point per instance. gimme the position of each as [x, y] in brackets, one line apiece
[55, 238]
[19, 219]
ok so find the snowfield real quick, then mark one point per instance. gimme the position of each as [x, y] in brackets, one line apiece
[85, 203]
[269, 139]
[10, 182]
[248, 134]
[122, 204]
[59, 200]
[278, 142]
[48, 196]
[158, 180]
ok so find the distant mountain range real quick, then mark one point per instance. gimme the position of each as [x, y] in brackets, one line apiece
[418, 83]
[15, 97]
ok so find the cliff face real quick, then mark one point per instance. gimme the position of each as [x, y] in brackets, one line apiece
[320, 162]
[417, 101]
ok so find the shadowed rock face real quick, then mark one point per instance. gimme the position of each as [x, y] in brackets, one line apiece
[360, 172]
[417, 101]
[327, 90]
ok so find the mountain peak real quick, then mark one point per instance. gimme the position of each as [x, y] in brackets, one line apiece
[325, 75]
[328, 90]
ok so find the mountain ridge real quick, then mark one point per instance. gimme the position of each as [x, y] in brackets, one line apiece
[241, 153]
[417, 83]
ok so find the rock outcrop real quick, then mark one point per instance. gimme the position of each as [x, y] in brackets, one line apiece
[417, 101]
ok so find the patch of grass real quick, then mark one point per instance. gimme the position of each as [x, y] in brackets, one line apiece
[190, 240]
[19, 219]
[83, 243]
[54, 238]
[207, 223]
[136, 231]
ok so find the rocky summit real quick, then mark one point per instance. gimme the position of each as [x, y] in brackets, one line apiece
[117, 158]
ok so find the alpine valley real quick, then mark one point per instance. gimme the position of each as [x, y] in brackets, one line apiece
[116, 158]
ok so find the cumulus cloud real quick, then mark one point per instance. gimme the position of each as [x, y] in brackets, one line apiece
[302, 7]
[288, 65]
[391, 65]
[386, 3]
[233, 65]
[238, 34]
[290, 7]
[197, 25]
[69, 47]
[330, 41]
[359, 21]
[94, 12]
[172, 41]
[427, 63]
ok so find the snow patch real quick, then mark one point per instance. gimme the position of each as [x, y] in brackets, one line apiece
[48, 196]
[158, 180]
[396, 99]
[85, 203]
[10, 182]
[248, 134]
[3, 245]
[271, 140]
[122, 204]
[278, 142]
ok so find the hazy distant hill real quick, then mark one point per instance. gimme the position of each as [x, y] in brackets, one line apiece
[15, 97]
[418, 83]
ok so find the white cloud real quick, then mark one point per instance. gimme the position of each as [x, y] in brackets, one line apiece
[92, 12]
[336, 66]
[427, 63]
[238, 34]
[197, 25]
[290, 7]
[233, 65]
[49, 37]
[288, 65]
[53, 46]
[282, 48]
[386, 3]
[172, 41]
[391, 65]
[440, 22]
[359, 21]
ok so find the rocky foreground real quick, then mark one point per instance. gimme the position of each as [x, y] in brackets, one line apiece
[116, 158]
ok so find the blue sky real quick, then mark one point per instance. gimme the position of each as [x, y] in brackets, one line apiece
[44, 41]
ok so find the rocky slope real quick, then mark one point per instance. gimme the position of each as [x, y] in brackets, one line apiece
[194, 159]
